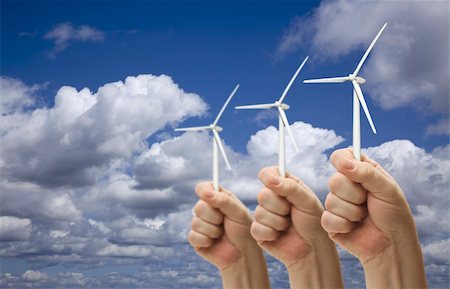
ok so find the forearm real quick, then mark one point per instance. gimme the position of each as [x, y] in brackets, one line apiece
[319, 269]
[250, 271]
[396, 267]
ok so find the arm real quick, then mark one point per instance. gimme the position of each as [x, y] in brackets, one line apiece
[287, 226]
[368, 215]
[221, 235]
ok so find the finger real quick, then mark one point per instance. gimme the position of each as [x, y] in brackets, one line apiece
[273, 170]
[347, 190]
[273, 203]
[335, 224]
[228, 206]
[225, 201]
[371, 178]
[208, 213]
[297, 193]
[205, 228]
[263, 233]
[198, 240]
[349, 211]
[270, 219]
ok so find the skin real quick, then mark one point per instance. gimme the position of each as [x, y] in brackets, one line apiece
[220, 233]
[367, 214]
[287, 226]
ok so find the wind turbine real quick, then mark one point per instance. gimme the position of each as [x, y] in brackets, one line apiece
[358, 97]
[282, 121]
[217, 143]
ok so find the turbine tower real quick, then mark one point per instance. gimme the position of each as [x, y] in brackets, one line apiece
[358, 97]
[282, 121]
[217, 143]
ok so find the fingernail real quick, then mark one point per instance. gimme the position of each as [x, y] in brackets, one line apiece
[275, 180]
[209, 195]
[349, 164]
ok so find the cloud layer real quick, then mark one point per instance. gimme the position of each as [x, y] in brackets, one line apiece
[82, 188]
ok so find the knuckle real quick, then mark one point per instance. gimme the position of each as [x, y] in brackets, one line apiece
[200, 208]
[324, 221]
[263, 196]
[335, 182]
[329, 201]
[190, 238]
[254, 231]
[259, 214]
[195, 224]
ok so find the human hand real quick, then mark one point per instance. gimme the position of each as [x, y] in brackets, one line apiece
[221, 235]
[287, 226]
[367, 214]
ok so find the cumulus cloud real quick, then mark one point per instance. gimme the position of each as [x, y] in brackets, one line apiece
[137, 207]
[67, 144]
[404, 69]
[426, 189]
[34, 276]
[16, 96]
[14, 229]
[63, 34]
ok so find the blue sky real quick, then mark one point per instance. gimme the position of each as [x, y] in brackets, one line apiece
[205, 48]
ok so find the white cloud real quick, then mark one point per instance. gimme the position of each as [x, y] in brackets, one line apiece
[137, 206]
[34, 276]
[403, 69]
[424, 179]
[16, 96]
[14, 229]
[63, 34]
[68, 144]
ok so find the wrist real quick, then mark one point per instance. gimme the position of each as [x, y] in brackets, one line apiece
[319, 269]
[396, 267]
[249, 271]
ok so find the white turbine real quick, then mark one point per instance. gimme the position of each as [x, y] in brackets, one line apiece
[217, 143]
[358, 97]
[282, 121]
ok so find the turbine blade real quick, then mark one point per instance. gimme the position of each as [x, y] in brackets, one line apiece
[288, 128]
[256, 106]
[361, 62]
[363, 104]
[194, 128]
[225, 105]
[292, 80]
[222, 150]
[327, 80]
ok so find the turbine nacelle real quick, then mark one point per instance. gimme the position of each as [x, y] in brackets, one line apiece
[283, 106]
[215, 127]
[358, 79]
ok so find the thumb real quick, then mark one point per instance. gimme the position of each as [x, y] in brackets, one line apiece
[225, 202]
[371, 177]
[294, 190]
